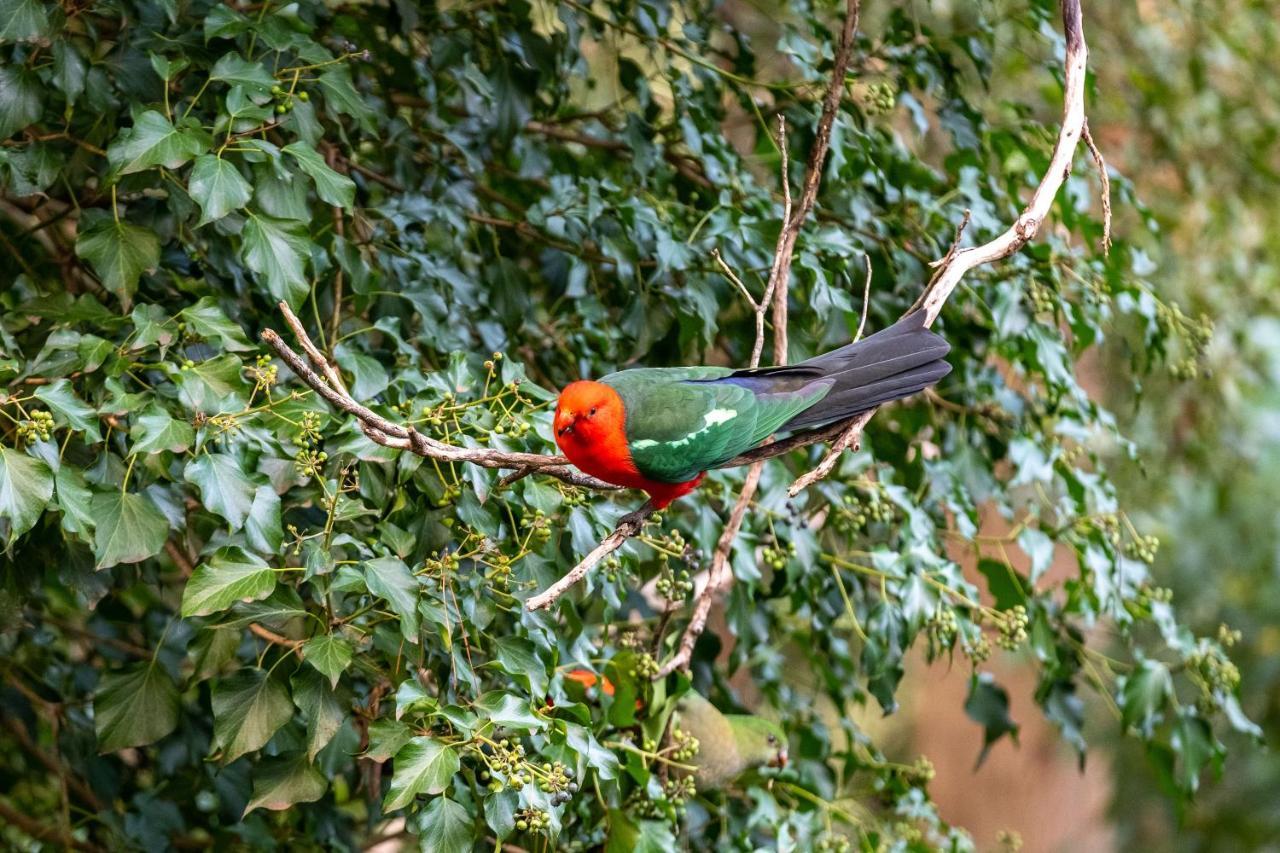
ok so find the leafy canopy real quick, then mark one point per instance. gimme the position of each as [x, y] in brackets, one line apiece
[211, 581]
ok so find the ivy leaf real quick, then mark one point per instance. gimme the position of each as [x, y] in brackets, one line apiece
[262, 527]
[154, 141]
[155, 431]
[231, 575]
[61, 400]
[320, 708]
[135, 707]
[129, 528]
[423, 766]
[276, 250]
[281, 782]
[988, 706]
[26, 485]
[119, 253]
[20, 103]
[248, 708]
[516, 657]
[209, 321]
[235, 69]
[23, 20]
[1144, 696]
[390, 579]
[224, 487]
[333, 188]
[74, 499]
[386, 737]
[627, 835]
[1197, 748]
[213, 384]
[445, 827]
[218, 187]
[329, 654]
[506, 710]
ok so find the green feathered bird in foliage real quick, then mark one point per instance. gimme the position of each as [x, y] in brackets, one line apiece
[728, 744]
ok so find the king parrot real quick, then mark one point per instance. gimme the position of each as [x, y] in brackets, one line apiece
[661, 429]
[728, 744]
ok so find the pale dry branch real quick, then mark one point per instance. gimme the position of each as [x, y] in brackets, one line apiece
[629, 525]
[1105, 180]
[327, 382]
[950, 271]
[957, 262]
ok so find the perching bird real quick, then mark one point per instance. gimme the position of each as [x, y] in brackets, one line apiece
[662, 429]
[728, 744]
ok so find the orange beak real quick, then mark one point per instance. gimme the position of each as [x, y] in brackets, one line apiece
[564, 422]
[779, 760]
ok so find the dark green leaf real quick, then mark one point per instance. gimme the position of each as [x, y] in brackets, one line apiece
[248, 708]
[423, 766]
[135, 707]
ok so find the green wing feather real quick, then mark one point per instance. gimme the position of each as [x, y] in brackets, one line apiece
[679, 424]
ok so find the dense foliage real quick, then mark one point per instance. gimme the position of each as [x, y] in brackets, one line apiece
[222, 600]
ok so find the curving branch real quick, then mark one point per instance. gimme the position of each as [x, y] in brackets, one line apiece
[328, 384]
[949, 271]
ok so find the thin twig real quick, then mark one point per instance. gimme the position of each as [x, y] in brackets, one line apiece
[1106, 187]
[866, 300]
[398, 436]
[629, 525]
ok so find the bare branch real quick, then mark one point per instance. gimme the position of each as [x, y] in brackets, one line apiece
[1106, 188]
[957, 262]
[629, 525]
[719, 576]
[328, 384]
[866, 300]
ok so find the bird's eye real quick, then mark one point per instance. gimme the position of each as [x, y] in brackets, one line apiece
[592, 413]
[773, 740]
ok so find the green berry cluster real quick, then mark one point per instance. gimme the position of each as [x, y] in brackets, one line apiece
[829, 842]
[225, 424]
[775, 556]
[264, 373]
[187, 364]
[1194, 333]
[943, 627]
[684, 745]
[645, 667]
[922, 770]
[880, 98]
[854, 514]
[1012, 625]
[1228, 636]
[680, 790]
[505, 756]
[557, 780]
[1148, 595]
[311, 462]
[36, 428]
[308, 434]
[1143, 548]
[614, 568]
[1213, 669]
[532, 820]
[976, 648]
[284, 99]
[1107, 523]
[538, 523]
[673, 585]
[1042, 298]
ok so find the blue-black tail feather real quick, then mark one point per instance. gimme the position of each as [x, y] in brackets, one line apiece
[891, 364]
